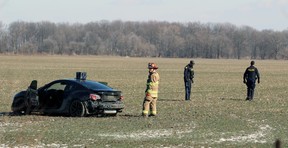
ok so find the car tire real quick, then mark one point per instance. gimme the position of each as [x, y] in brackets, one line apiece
[77, 109]
[19, 106]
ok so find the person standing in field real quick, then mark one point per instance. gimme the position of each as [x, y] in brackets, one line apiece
[151, 92]
[188, 79]
[250, 76]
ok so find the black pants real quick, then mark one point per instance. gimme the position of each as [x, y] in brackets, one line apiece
[188, 87]
[250, 90]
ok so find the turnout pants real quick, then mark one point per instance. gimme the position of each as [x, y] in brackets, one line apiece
[149, 104]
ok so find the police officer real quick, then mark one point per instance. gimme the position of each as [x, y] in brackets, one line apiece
[250, 76]
[151, 92]
[188, 79]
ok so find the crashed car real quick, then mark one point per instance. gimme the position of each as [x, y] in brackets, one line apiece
[76, 97]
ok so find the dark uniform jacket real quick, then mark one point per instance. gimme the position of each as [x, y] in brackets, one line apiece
[188, 73]
[251, 74]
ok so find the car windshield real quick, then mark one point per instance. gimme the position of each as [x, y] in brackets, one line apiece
[96, 85]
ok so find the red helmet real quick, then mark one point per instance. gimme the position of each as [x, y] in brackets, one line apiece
[152, 66]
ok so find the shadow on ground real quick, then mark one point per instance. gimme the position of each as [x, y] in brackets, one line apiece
[7, 114]
[170, 100]
[232, 99]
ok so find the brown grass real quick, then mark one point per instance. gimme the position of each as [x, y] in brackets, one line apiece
[217, 116]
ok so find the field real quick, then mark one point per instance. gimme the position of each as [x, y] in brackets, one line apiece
[217, 116]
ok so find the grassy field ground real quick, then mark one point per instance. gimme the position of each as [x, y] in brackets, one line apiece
[217, 116]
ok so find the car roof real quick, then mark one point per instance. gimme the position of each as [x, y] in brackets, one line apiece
[94, 85]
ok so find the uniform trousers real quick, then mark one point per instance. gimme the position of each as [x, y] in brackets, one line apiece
[188, 86]
[149, 104]
[250, 89]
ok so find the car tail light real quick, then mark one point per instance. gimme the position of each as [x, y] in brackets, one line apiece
[121, 98]
[94, 97]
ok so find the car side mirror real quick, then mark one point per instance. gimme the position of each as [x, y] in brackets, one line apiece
[33, 85]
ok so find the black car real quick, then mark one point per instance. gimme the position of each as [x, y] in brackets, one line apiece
[73, 97]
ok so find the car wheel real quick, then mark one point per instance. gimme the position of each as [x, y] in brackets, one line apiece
[19, 107]
[77, 109]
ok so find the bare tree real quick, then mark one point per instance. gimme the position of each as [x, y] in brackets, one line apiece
[16, 32]
[152, 38]
[277, 43]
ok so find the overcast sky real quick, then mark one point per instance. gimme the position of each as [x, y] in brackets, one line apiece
[259, 14]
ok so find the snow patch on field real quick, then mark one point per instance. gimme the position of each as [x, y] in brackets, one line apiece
[53, 145]
[8, 124]
[4, 125]
[149, 134]
[256, 137]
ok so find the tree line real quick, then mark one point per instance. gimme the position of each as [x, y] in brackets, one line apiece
[144, 39]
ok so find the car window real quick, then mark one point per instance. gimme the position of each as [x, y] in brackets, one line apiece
[96, 85]
[72, 87]
[57, 86]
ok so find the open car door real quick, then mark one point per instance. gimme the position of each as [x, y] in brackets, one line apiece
[31, 97]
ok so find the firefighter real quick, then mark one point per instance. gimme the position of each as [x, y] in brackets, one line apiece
[188, 79]
[151, 92]
[250, 76]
